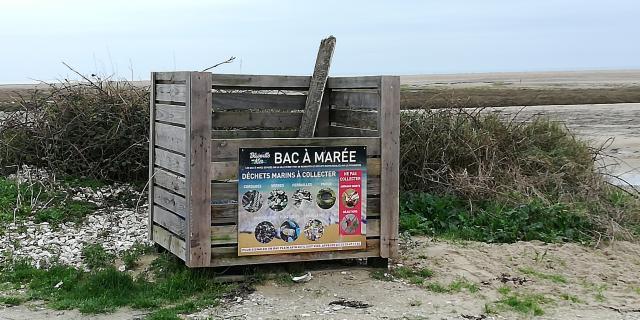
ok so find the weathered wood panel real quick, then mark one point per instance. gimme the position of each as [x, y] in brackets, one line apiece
[172, 202]
[169, 241]
[170, 137]
[340, 131]
[171, 161]
[228, 170]
[228, 213]
[354, 118]
[227, 149]
[223, 257]
[198, 180]
[366, 82]
[262, 82]
[390, 175]
[170, 113]
[316, 88]
[243, 101]
[170, 181]
[169, 221]
[355, 99]
[179, 76]
[234, 134]
[171, 92]
[260, 120]
[152, 122]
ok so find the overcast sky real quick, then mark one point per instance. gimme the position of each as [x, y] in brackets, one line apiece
[134, 37]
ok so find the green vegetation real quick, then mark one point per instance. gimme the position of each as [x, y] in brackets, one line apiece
[557, 278]
[570, 297]
[130, 257]
[530, 304]
[457, 285]
[12, 300]
[176, 289]
[95, 257]
[413, 276]
[43, 203]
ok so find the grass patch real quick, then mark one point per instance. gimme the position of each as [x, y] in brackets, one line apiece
[12, 300]
[570, 297]
[176, 289]
[556, 278]
[456, 286]
[529, 304]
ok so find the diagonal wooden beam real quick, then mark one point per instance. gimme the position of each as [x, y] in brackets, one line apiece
[316, 88]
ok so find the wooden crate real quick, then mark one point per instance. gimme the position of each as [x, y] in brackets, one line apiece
[198, 122]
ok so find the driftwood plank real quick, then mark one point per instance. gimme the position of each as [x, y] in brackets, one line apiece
[243, 101]
[316, 88]
[171, 92]
[169, 160]
[366, 82]
[228, 170]
[169, 181]
[179, 76]
[227, 149]
[198, 180]
[390, 175]
[172, 202]
[170, 137]
[233, 134]
[221, 257]
[152, 161]
[354, 118]
[169, 241]
[354, 99]
[340, 131]
[169, 221]
[262, 82]
[261, 120]
[170, 113]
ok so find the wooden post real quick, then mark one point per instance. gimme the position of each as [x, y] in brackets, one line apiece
[389, 128]
[152, 122]
[316, 88]
[198, 181]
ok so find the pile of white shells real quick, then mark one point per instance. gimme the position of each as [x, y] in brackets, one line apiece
[117, 227]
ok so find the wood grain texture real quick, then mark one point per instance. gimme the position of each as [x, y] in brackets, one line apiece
[316, 88]
[354, 99]
[169, 160]
[234, 134]
[244, 101]
[354, 118]
[256, 120]
[177, 76]
[171, 92]
[172, 202]
[390, 175]
[198, 181]
[262, 82]
[152, 122]
[365, 82]
[221, 257]
[170, 137]
[169, 241]
[170, 113]
[227, 149]
[341, 131]
[170, 181]
[169, 221]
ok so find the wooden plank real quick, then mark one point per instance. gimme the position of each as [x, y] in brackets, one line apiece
[221, 257]
[227, 234]
[227, 149]
[355, 99]
[171, 161]
[322, 126]
[170, 181]
[176, 76]
[172, 202]
[354, 118]
[152, 122]
[234, 134]
[169, 241]
[244, 101]
[228, 170]
[390, 175]
[260, 120]
[171, 92]
[228, 213]
[169, 221]
[198, 178]
[262, 82]
[170, 137]
[225, 191]
[170, 113]
[316, 88]
[340, 131]
[366, 82]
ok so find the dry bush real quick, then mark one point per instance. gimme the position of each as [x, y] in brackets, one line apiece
[96, 128]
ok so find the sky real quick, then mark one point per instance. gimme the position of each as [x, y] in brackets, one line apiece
[129, 39]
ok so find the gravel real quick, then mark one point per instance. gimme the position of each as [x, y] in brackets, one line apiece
[117, 227]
